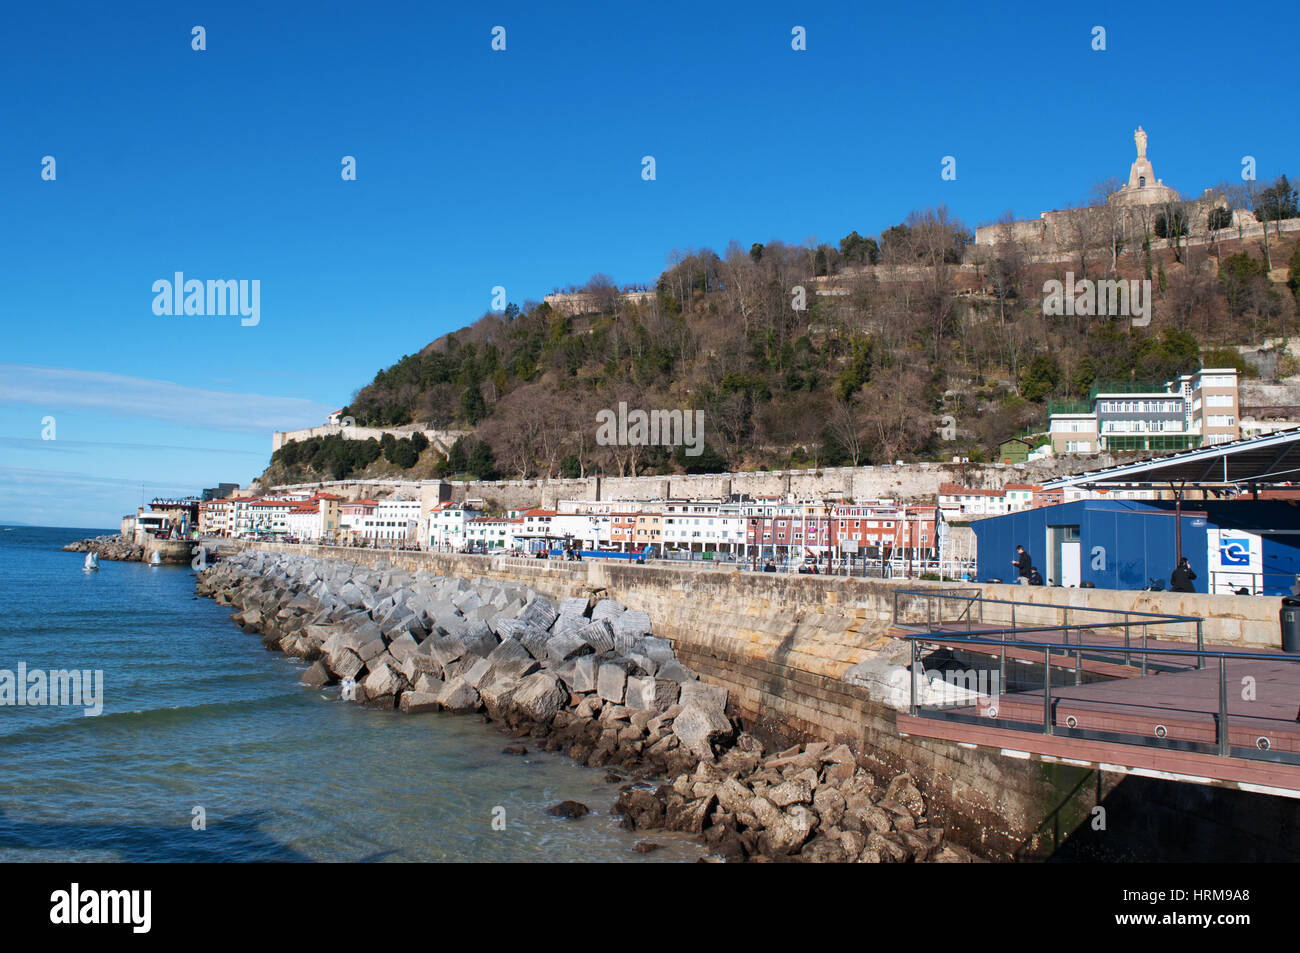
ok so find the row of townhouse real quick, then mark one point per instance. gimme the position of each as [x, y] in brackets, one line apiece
[962, 503]
[771, 526]
[312, 517]
[778, 526]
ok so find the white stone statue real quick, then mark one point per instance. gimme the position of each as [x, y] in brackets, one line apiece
[1140, 138]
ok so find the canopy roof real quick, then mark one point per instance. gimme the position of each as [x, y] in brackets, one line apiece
[1269, 460]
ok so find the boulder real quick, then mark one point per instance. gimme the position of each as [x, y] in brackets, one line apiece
[507, 648]
[677, 672]
[534, 639]
[611, 682]
[539, 612]
[902, 790]
[403, 646]
[797, 791]
[562, 647]
[582, 672]
[429, 685]
[497, 692]
[697, 692]
[598, 635]
[640, 692]
[540, 696]
[824, 849]
[698, 725]
[384, 680]
[788, 831]
[346, 663]
[459, 695]
[633, 623]
[574, 606]
[415, 702]
[570, 809]
[607, 609]
[317, 675]
[667, 692]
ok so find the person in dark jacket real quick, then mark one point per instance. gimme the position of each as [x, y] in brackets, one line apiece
[1024, 565]
[1035, 577]
[1180, 580]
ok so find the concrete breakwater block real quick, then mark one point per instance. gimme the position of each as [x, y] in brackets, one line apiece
[587, 678]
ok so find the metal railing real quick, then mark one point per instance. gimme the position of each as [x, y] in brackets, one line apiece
[1276, 740]
[1226, 582]
[965, 611]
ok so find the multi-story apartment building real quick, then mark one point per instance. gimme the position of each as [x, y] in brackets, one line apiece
[217, 517]
[445, 526]
[1193, 410]
[966, 502]
[492, 533]
[395, 520]
[314, 519]
[648, 532]
[885, 525]
[353, 515]
[703, 526]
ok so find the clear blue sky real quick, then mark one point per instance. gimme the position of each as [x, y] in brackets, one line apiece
[519, 168]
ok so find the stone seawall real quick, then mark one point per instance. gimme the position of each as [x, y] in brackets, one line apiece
[587, 678]
[782, 646]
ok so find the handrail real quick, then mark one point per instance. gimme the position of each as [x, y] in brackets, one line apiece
[946, 594]
[1208, 653]
[1222, 745]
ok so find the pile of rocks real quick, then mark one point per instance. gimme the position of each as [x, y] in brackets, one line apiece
[114, 547]
[810, 803]
[586, 677]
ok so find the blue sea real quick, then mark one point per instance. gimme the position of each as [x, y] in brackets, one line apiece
[201, 724]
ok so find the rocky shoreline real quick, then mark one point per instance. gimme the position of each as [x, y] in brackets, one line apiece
[587, 678]
[115, 547]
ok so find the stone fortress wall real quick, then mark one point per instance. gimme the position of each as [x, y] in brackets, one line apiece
[440, 439]
[912, 482]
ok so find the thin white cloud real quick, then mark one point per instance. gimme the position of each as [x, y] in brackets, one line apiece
[55, 388]
[80, 446]
[48, 479]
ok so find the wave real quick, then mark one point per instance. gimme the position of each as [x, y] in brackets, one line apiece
[148, 718]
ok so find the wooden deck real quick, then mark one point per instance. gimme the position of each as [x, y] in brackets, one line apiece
[1141, 722]
[1107, 662]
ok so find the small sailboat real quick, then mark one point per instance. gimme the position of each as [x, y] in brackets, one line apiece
[155, 558]
[91, 564]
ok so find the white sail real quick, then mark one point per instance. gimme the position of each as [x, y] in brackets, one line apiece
[91, 563]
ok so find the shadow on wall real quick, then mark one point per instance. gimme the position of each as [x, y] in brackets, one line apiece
[1147, 820]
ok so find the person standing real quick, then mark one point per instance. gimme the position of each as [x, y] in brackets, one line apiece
[1180, 580]
[1024, 566]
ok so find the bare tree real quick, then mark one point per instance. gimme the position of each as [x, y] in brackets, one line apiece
[847, 424]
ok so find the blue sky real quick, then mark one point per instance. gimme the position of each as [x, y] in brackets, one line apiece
[519, 168]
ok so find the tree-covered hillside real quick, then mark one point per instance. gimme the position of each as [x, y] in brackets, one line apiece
[915, 324]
